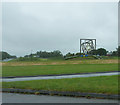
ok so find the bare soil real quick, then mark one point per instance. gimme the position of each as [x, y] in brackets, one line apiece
[113, 61]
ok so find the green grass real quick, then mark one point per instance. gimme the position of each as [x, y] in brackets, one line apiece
[102, 84]
[33, 70]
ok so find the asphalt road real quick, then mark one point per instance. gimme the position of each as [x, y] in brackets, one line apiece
[22, 98]
[59, 77]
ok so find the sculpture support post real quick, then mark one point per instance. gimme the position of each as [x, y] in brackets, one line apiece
[80, 46]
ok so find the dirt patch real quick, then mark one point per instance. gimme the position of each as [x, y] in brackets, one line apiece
[1, 63]
[114, 61]
[103, 61]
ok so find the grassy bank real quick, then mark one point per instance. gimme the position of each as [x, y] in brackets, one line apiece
[33, 70]
[60, 62]
[103, 84]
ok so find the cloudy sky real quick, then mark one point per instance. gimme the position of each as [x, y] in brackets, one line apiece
[57, 26]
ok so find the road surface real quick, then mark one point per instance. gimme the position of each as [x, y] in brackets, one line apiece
[22, 98]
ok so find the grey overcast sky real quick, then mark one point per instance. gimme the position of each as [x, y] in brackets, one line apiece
[57, 26]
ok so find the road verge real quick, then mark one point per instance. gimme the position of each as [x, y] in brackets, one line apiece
[73, 94]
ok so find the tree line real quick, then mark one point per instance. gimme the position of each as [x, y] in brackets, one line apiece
[99, 51]
[45, 54]
[57, 53]
[5, 55]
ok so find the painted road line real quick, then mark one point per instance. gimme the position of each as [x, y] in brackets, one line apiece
[59, 77]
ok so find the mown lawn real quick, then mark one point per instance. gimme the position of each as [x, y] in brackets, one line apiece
[102, 84]
[33, 70]
[60, 62]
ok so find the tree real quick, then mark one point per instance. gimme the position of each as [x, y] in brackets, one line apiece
[69, 54]
[5, 55]
[77, 54]
[101, 51]
[93, 52]
[45, 54]
[117, 52]
[114, 53]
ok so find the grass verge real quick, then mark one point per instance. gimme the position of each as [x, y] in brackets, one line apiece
[56, 69]
[102, 84]
[60, 62]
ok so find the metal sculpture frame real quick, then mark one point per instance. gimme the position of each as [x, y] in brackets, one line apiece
[86, 45]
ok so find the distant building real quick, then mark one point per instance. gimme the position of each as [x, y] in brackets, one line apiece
[36, 56]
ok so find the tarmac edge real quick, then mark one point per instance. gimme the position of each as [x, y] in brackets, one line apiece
[59, 93]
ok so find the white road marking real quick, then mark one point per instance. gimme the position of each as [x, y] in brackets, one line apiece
[59, 77]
